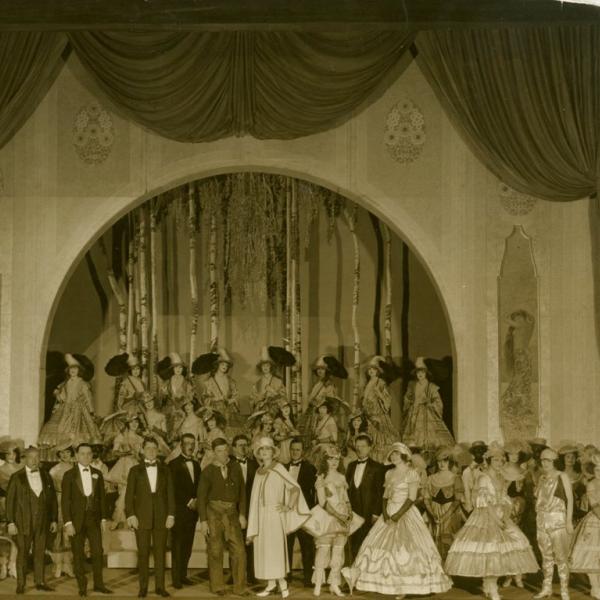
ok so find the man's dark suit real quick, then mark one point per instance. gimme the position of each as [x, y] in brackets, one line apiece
[32, 516]
[251, 466]
[182, 535]
[86, 514]
[366, 500]
[151, 511]
[307, 476]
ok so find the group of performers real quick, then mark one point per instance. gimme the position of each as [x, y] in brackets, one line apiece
[370, 512]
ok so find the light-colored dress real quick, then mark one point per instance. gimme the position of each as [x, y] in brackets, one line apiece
[324, 435]
[423, 417]
[443, 494]
[128, 404]
[283, 435]
[398, 557]
[220, 393]
[321, 390]
[72, 418]
[585, 548]
[61, 541]
[267, 393]
[490, 544]
[174, 394]
[129, 446]
[376, 404]
[267, 527]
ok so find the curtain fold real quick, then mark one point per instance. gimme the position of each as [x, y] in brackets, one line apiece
[527, 101]
[201, 86]
[29, 64]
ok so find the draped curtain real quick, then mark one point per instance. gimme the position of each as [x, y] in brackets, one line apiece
[29, 64]
[527, 101]
[201, 86]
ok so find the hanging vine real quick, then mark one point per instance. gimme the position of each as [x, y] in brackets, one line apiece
[142, 250]
[131, 296]
[351, 216]
[297, 297]
[192, 228]
[387, 311]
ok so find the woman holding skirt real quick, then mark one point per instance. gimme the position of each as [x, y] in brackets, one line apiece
[398, 556]
[490, 545]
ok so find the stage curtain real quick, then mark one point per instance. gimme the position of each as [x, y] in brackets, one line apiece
[201, 86]
[29, 64]
[527, 101]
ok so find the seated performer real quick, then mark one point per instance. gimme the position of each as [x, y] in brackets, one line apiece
[222, 508]
[399, 539]
[150, 511]
[277, 507]
[423, 412]
[83, 504]
[32, 514]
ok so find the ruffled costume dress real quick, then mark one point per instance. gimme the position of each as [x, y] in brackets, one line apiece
[485, 546]
[585, 547]
[398, 557]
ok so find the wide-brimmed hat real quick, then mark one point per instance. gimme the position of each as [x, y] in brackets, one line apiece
[398, 447]
[276, 355]
[567, 447]
[516, 446]
[420, 365]
[207, 414]
[375, 363]
[265, 442]
[119, 364]
[332, 365]
[8, 443]
[165, 367]
[549, 453]
[444, 453]
[495, 450]
[66, 445]
[86, 367]
[512, 472]
[478, 446]
[538, 441]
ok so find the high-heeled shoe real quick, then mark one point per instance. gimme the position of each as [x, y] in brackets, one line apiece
[519, 581]
[285, 592]
[267, 591]
[335, 588]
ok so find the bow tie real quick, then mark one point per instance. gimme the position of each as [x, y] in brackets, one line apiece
[85, 470]
[362, 461]
[242, 461]
[34, 470]
[295, 463]
[150, 464]
[188, 459]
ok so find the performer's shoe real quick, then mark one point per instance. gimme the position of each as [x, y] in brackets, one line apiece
[163, 593]
[187, 581]
[285, 593]
[266, 592]
[519, 581]
[545, 592]
[102, 589]
[42, 587]
[335, 589]
[142, 593]
[20, 589]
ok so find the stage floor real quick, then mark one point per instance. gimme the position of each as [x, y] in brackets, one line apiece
[125, 585]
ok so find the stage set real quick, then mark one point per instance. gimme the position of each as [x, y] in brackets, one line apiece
[328, 273]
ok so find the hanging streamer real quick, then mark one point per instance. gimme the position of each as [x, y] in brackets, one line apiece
[351, 216]
[387, 311]
[193, 276]
[297, 298]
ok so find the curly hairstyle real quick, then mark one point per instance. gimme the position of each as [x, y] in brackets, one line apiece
[323, 467]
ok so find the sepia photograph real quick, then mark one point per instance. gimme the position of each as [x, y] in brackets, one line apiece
[300, 299]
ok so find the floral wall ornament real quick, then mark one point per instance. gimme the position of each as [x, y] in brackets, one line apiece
[515, 203]
[404, 134]
[93, 134]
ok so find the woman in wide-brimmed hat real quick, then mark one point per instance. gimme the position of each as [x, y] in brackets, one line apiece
[585, 547]
[376, 404]
[73, 412]
[399, 542]
[490, 545]
[175, 390]
[61, 546]
[443, 495]
[284, 429]
[277, 507]
[423, 411]
[569, 463]
[128, 371]
[325, 431]
[269, 389]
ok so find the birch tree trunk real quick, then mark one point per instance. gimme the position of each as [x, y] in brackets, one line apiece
[142, 250]
[351, 215]
[288, 290]
[153, 298]
[131, 297]
[387, 311]
[213, 290]
[297, 299]
[137, 287]
[193, 276]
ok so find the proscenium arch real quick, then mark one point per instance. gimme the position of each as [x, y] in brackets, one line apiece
[386, 208]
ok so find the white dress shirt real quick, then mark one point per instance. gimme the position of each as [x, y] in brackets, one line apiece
[86, 479]
[294, 471]
[359, 473]
[190, 466]
[35, 480]
[152, 471]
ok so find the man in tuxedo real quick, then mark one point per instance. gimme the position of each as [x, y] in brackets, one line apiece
[365, 478]
[83, 503]
[240, 453]
[150, 512]
[185, 473]
[32, 514]
[305, 474]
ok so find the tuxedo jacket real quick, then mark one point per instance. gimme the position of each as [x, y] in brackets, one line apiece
[73, 501]
[150, 509]
[251, 466]
[367, 498]
[307, 476]
[20, 500]
[185, 489]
